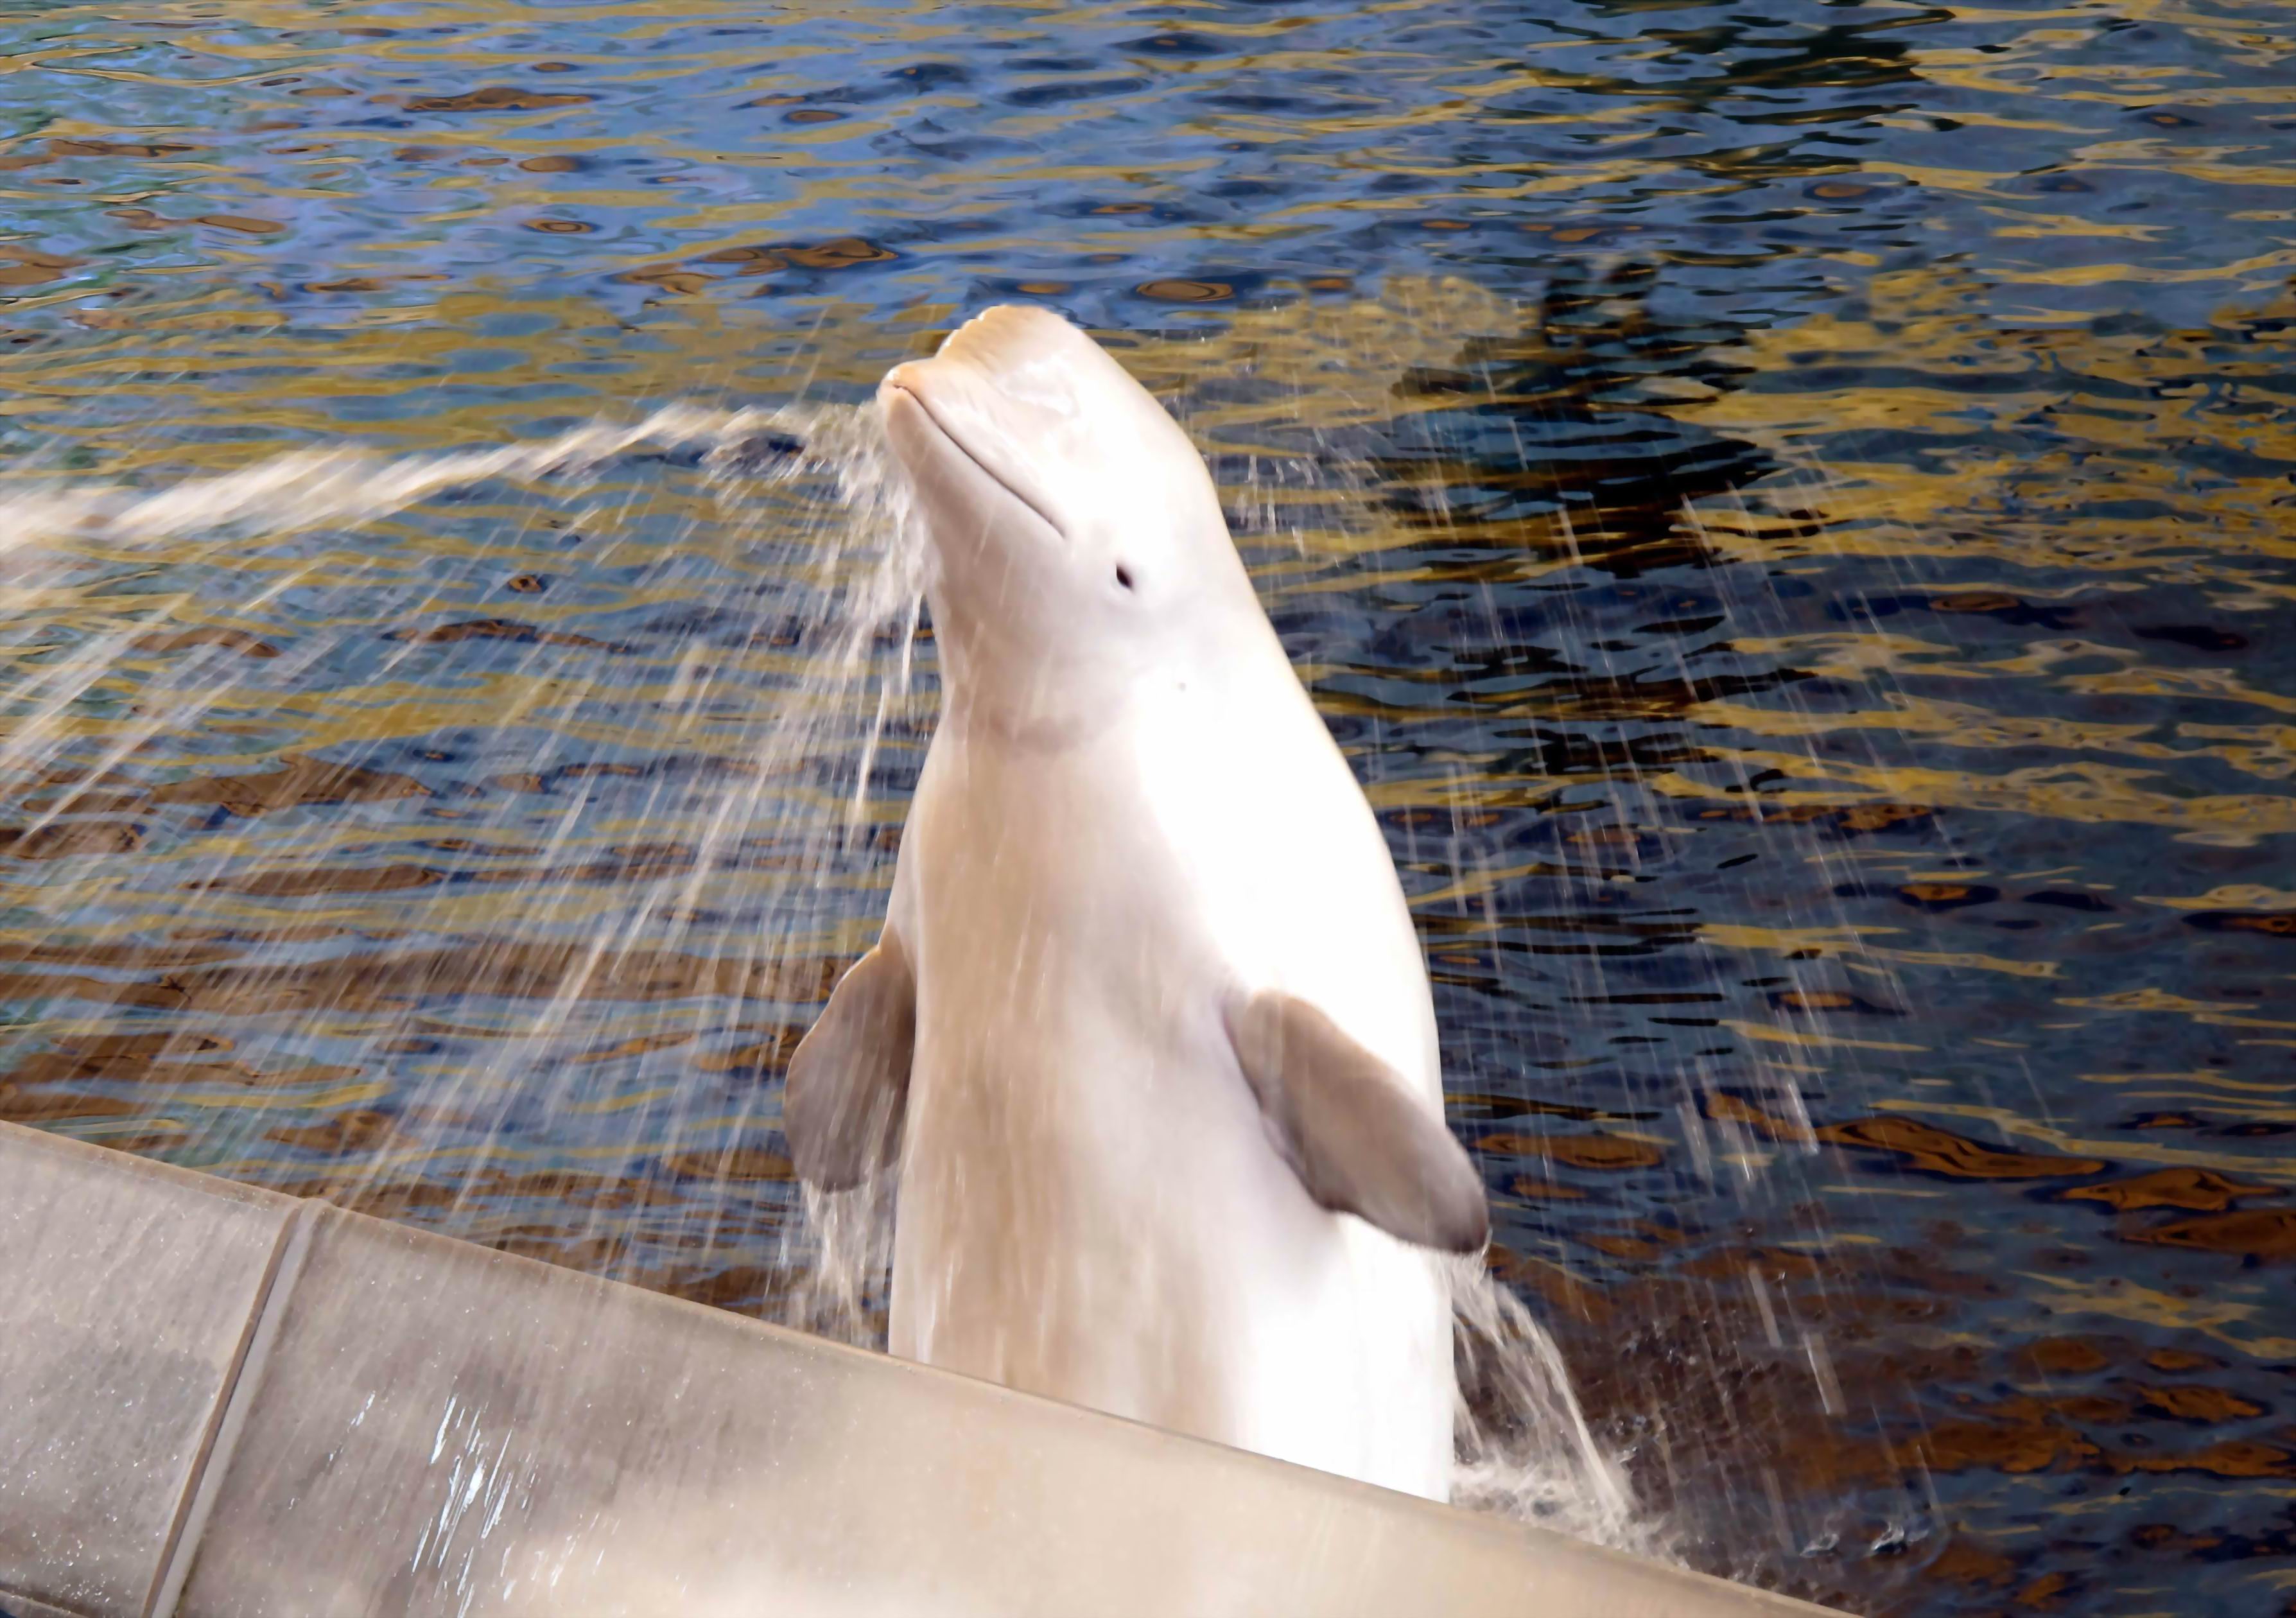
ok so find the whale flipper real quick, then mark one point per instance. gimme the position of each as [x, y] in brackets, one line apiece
[1349, 1125]
[849, 1081]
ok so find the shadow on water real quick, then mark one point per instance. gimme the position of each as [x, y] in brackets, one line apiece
[1789, 516]
[1543, 440]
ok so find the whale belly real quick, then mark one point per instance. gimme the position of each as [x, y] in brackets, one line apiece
[1171, 1274]
[1090, 1208]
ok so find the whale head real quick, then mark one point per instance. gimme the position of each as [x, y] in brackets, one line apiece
[1076, 546]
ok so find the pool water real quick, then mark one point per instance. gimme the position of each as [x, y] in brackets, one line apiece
[1793, 516]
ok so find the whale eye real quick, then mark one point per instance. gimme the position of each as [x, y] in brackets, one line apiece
[1124, 575]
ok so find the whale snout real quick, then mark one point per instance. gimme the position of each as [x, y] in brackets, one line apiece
[1058, 501]
[1033, 404]
[1017, 405]
[1010, 361]
[962, 462]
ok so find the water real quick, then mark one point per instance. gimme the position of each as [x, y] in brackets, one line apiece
[1790, 514]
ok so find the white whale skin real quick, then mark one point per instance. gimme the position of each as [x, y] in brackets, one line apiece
[1148, 1032]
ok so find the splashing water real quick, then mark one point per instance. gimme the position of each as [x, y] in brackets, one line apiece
[303, 490]
[848, 595]
[311, 962]
[1524, 1449]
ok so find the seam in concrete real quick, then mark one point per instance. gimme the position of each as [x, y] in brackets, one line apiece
[213, 1463]
[24, 1606]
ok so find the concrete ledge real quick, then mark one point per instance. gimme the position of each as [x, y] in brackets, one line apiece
[127, 1294]
[424, 1427]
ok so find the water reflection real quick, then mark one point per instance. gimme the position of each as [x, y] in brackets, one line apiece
[1790, 514]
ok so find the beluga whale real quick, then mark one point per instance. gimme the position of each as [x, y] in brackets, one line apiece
[1146, 1037]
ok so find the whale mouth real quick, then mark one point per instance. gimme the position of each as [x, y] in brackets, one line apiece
[957, 444]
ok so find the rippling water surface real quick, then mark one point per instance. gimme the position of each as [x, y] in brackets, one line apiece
[1793, 512]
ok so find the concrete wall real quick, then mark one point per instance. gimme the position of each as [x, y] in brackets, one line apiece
[221, 1403]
